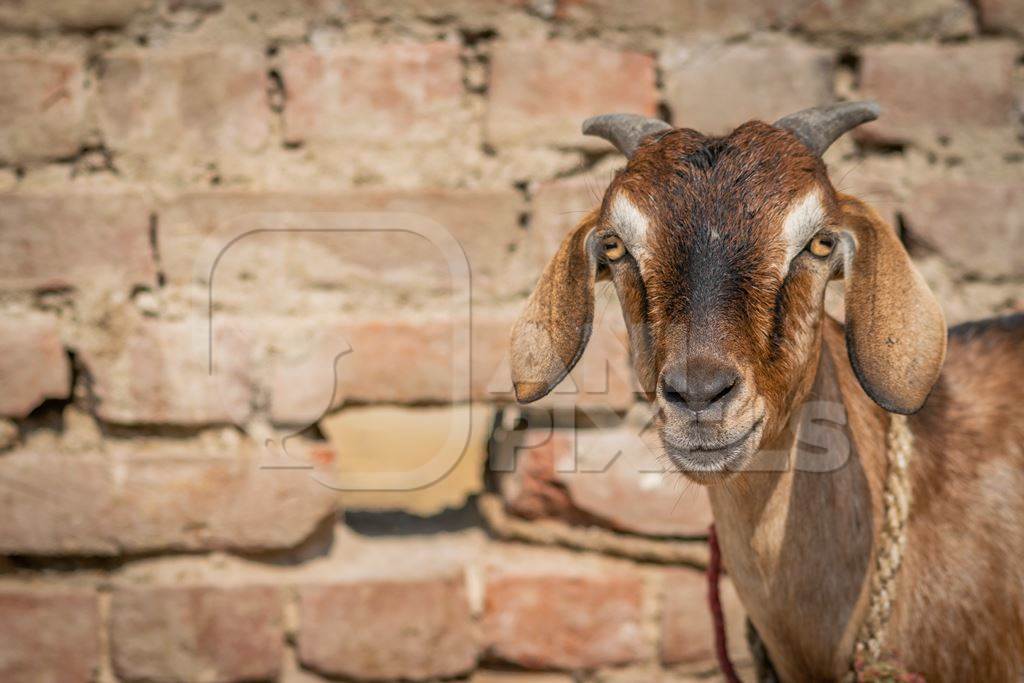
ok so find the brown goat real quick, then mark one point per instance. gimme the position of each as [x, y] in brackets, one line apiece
[720, 250]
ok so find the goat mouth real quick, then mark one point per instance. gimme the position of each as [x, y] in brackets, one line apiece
[704, 463]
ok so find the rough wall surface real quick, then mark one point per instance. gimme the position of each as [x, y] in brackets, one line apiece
[255, 253]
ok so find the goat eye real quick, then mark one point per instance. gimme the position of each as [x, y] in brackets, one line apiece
[613, 247]
[821, 246]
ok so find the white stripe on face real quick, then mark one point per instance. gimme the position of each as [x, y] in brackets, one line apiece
[803, 220]
[631, 224]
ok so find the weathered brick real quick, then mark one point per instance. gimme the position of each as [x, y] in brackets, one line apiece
[193, 633]
[387, 629]
[400, 558]
[303, 383]
[1002, 15]
[873, 19]
[48, 634]
[365, 352]
[747, 80]
[373, 94]
[42, 106]
[938, 90]
[226, 503]
[53, 240]
[529, 483]
[309, 374]
[687, 630]
[971, 223]
[33, 365]
[101, 505]
[472, 13]
[367, 248]
[542, 91]
[606, 476]
[189, 101]
[159, 372]
[564, 622]
[55, 505]
[26, 15]
[9, 434]
[686, 17]
[384, 447]
[964, 299]
[484, 676]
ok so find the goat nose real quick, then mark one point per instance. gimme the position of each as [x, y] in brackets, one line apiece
[704, 384]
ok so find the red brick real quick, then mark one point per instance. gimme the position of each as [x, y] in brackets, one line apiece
[542, 91]
[1002, 15]
[48, 635]
[340, 243]
[532, 489]
[413, 359]
[933, 90]
[33, 365]
[42, 106]
[390, 359]
[383, 629]
[9, 434]
[192, 633]
[971, 223]
[472, 13]
[372, 94]
[687, 631]
[678, 17]
[69, 14]
[93, 504]
[159, 372]
[198, 101]
[484, 676]
[748, 81]
[55, 505]
[217, 503]
[110, 243]
[604, 476]
[868, 19]
[374, 369]
[564, 622]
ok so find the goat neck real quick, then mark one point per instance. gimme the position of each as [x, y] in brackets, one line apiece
[797, 541]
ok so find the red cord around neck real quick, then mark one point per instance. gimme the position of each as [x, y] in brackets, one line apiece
[715, 605]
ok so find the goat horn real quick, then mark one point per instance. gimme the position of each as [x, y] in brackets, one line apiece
[819, 127]
[625, 131]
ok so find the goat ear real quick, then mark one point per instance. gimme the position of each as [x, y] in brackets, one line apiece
[554, 328]
[895, 329]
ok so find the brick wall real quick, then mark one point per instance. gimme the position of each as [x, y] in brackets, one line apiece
[295, 173]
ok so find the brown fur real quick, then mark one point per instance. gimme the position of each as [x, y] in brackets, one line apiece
[799, 539]
[798, 544]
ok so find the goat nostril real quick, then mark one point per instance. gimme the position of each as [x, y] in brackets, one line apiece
[703, 387]
[727, 386]
[671, 394]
